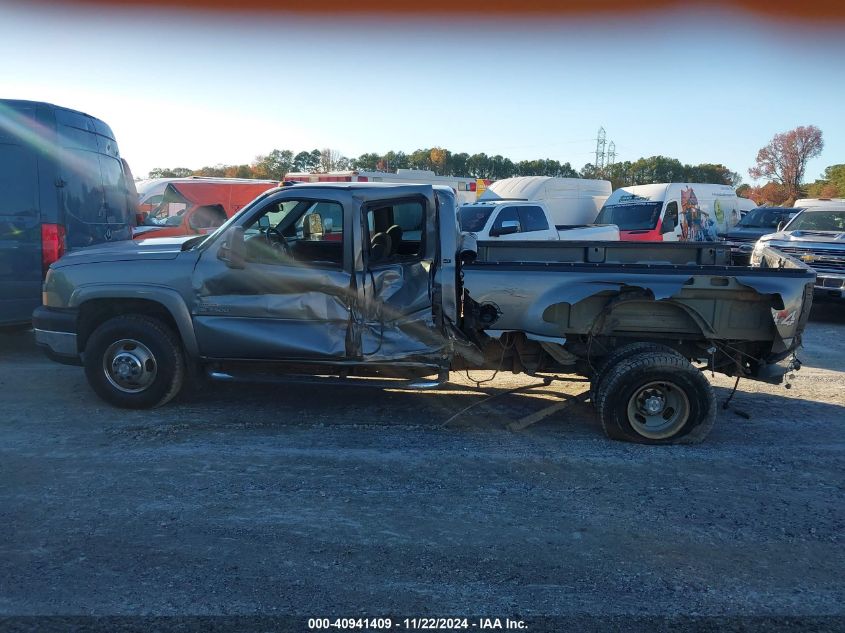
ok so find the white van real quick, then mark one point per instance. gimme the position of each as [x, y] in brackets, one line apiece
[672, 212]
[836, 204]
[570, 201]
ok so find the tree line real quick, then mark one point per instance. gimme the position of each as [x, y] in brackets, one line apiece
[782, 161]
[444, 162]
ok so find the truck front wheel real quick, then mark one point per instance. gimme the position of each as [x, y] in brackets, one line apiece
[657, 398]
[134, 362]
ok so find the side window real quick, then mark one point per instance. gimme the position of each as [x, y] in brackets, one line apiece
[114, 188]
[670, 217]
[508, 214]
[83, 190]
[533, 219]
[395, 232]
[297, 232]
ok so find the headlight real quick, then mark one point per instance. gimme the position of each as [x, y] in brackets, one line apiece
[757, 253]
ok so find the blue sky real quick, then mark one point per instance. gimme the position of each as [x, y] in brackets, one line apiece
[187, 89]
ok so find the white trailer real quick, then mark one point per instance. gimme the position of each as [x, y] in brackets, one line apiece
[570, 201]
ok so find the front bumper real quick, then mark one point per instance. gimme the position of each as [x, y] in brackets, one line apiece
[829, 286]
[55, 332]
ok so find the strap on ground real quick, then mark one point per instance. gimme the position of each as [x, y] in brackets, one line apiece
[542, 414]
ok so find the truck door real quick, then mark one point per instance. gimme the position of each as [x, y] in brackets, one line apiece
[670, 227]
[395, 318]
[290, 297]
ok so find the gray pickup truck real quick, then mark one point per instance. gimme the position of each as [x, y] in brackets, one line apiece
[375, 284]
[816, 236]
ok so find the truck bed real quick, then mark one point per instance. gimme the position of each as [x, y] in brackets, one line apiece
[554, 292]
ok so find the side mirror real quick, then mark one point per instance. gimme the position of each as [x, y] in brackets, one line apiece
[467, 248]
[668, 225]
[233, 249]
[264, 223]
[508, 227]
[781, 224]
[315, 224]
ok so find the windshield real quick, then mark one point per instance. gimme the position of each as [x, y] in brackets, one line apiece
[473, 219]
[166, 214]
[763, 218]
[631, 217]
[818, 221]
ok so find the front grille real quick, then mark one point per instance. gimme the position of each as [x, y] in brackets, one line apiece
[825, 260]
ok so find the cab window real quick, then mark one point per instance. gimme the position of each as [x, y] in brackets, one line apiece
[394, 231]
[532, 219]
[297, 232]
[508, 214]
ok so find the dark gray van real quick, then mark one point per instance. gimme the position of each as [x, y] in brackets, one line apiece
[63, 185]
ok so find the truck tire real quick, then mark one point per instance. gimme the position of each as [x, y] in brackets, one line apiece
[605, 364]
[134, 362]
[657, 398]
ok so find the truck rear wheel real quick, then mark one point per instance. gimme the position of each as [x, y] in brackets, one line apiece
[657, 398]
[134, 362]
[606, 363]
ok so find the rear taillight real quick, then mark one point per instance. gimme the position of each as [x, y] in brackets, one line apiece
[52, 244]
[363, 179]
[472, 186]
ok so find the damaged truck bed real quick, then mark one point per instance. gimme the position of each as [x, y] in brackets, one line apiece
[375, 284]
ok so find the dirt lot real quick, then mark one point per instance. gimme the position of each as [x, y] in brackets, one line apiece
[310, 501]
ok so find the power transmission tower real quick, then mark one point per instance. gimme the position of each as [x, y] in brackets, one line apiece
[601, 144]
[611, 154]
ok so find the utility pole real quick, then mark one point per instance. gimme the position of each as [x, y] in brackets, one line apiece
[601, 144]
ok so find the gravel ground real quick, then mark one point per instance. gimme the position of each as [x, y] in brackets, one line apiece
[343, 502]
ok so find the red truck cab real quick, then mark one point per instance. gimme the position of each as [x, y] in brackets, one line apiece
[196, 207]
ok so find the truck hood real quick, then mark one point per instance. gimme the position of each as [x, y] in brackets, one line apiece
[834, 238]
[745, 233]
[126, 250]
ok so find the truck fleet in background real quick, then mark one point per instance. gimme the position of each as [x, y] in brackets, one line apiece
[64, 186]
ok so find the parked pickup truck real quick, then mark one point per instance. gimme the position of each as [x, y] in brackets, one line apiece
[525, 220]
[816, 236]
[403, 298]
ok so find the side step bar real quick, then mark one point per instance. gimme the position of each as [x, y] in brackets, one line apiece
[351, 381]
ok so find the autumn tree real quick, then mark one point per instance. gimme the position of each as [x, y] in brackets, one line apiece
[785, 158]
[332, 160]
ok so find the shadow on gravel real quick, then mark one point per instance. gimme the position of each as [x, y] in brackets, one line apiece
[828, 312]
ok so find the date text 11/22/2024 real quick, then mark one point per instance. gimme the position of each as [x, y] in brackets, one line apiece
[426, 624]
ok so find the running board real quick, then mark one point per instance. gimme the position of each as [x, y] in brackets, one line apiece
[336, 381]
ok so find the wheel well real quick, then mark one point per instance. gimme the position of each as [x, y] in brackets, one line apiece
[93, 313]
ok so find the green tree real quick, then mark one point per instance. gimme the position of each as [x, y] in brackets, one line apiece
[831, 184]
[166, 172]
[307, 161]
[367, 162]
[274, 165]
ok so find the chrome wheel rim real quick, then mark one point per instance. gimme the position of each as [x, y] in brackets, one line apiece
[129, 366]
[658, 410]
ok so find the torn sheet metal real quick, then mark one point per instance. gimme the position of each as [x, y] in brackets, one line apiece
[259, 313]
[396, 320]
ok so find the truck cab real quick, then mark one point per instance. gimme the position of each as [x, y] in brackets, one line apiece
[518, 220]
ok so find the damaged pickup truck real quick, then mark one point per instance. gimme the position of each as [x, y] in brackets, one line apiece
[375, 284]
